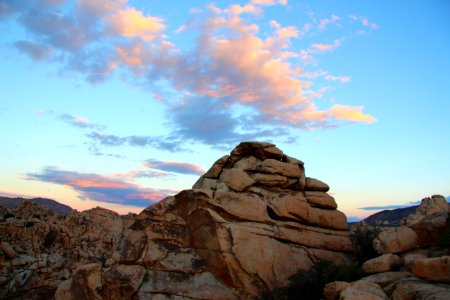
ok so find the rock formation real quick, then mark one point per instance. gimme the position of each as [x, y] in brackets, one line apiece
[248, 223]
[39, 248]
[412, 266]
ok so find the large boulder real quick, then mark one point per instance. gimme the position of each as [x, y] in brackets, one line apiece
[248, 224]
[395, 240]
[435, 269]
[383, 263]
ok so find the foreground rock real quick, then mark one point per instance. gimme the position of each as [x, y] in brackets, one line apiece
[249, 223]
[421, 257]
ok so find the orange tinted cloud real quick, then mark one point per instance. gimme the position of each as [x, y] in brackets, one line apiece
[130, 22]
[355, 114]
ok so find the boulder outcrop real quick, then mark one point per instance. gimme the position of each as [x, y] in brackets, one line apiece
[249, 223]
[422, 259]
[39, 248]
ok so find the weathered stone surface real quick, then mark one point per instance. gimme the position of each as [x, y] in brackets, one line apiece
[395, 240]
[7, 249]
[217, 167]
[363, 289]
[122, 281]
[387, 278]
[248, 163]
[428, 207]
[197, 286]
[430, 228]
[413, 288]
[320, 199]
[383, 263]
[313, 184]
[332, 290]
[133, 245]
[273, 166]
[435, 269]
[271, 180]
[236, 179]
[47, 246]
[85, 283]
[328, 218]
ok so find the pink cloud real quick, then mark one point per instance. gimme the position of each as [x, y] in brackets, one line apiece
[130, 22]
[325, 47]
[354, 114]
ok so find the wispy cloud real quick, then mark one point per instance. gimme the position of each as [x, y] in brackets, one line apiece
[173, 166]
[392, 206]
[364, 21]
[165, 143]
[79, 121]
[101, 188]
[34, 50]
[327, 21]
[231, 68]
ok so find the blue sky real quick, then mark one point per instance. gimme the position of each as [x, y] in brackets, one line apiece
[120, 103]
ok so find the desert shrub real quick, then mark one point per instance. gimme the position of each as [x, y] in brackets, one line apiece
[444, 239]
[50, 238]
[362, 241]
[8, 215]
[308, 285]
[29, 224]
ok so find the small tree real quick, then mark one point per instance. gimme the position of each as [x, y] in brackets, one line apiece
[362, 240]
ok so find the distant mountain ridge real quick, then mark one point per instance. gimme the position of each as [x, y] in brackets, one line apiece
[55, 206]
[392, 217]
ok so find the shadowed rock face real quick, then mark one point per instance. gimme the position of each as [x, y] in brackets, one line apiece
[248, 223]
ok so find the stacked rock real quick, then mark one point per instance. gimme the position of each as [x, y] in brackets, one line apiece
[261, 169]
[248, 224]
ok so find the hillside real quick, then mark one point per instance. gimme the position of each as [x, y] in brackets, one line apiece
[55, 206]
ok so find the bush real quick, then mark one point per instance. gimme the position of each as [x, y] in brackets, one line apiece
[308, 285]
[8, 215]
[444, 239]
[50, 238]
[362, 241]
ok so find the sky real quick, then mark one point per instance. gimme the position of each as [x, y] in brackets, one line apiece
[118, 103]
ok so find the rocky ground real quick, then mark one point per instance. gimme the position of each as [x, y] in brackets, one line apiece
[248, 224]
[39, 248]
[412, 263]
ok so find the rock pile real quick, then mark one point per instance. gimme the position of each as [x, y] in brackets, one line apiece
[39, 248]
[249, 223]
[412, 265]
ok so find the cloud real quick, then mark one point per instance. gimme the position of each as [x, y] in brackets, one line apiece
[173, 166]
[129, 22]
[325, 22]
[315, 48]
[79, 121]
[168, 143]
[354, 114]
[101, 188]
[34, 50]
[364, 21]
[233, 77]
[387, 207]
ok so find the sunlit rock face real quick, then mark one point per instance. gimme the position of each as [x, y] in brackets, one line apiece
[247, 224]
